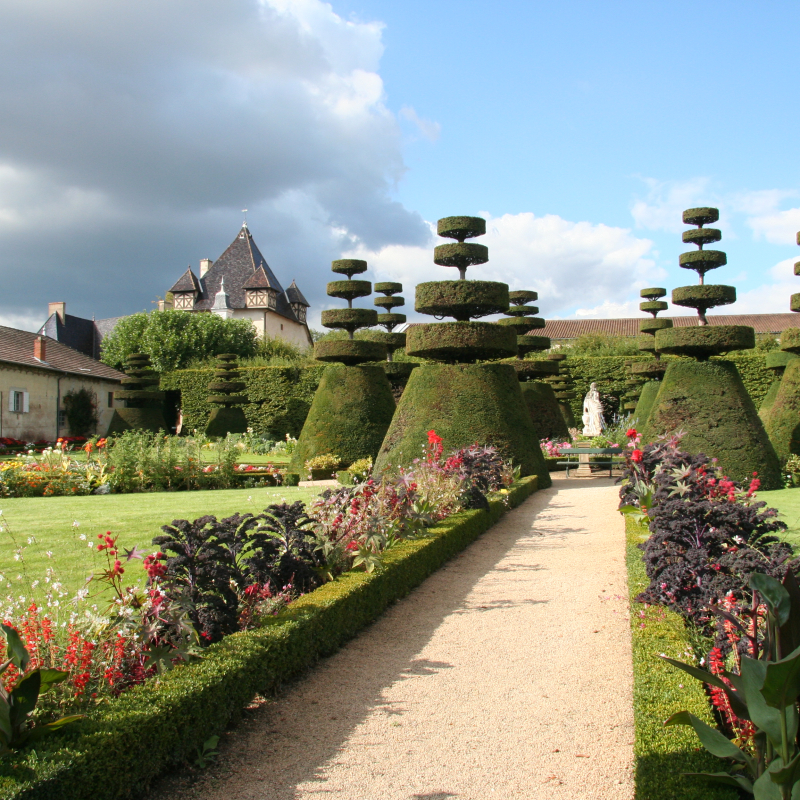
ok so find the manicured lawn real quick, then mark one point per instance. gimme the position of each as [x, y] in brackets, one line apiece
[42, 524]
[787, 501]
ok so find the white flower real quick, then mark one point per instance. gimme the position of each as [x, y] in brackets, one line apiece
[16, 556]
[49, 553]
[82, 537]
[91, 544]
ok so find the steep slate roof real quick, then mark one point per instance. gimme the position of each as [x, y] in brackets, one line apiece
[572, 328]
[237, 264]
[258, 280]
[16, 347]
[294, 295]
[187, 283]
[83, 335]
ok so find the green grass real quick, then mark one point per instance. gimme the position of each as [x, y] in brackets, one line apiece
[659, 690]
[787, 501]
[42, 524]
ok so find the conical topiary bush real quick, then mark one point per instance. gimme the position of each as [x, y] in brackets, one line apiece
[539, 396]
[463, 401]
[225, 394]
[144, 404]
[563, 386]
[777, 363]
[649, 372]
[706, 399]
[396, 371]
[353, 404]
[783, 418]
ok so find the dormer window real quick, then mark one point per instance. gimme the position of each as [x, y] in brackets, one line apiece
[299, 311]
[261, 298]
[183, 301]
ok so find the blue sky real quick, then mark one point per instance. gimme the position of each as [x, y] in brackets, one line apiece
[133, 134]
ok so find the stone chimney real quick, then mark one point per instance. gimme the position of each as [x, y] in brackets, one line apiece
[40, 347]
[57, 308]
[205, 265]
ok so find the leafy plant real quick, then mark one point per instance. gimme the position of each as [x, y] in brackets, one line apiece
[326, 461]
[207, 753]
[80, 406]
[18, 702]
[765, 692]
[361, 469]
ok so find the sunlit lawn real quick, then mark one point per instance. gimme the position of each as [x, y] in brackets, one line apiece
[41, 524]
[787, 501]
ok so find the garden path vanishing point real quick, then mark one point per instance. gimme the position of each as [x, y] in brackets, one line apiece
[506, 674]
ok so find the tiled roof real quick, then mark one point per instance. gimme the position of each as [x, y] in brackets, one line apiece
[294, 295]
[572, 328]
[187, 283]
[16, 347]
[237, 264]
[258, 280]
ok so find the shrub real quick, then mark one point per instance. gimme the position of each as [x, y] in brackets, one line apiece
[80, 406]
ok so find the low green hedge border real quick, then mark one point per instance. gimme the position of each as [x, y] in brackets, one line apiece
[119, 750]
[659, 690]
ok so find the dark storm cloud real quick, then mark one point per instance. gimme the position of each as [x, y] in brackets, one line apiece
[132, 133]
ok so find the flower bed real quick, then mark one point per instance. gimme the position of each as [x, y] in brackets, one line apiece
[120, 748]
[714, 575]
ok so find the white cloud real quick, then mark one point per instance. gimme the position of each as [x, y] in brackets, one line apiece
[771, 297]
[427, 128]
[566, 262]
[665, 202]
[134, 133]
[24, 322]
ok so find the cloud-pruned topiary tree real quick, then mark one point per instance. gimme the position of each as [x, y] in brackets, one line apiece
[563, 386]
[228, 415]
[539, 395]
[396, 371]
[462, 400]
[707, 399]
[783, 417]
[649, 373]
[353, 404]
[144, 404]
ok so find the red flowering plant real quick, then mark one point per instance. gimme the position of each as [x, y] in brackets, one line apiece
[708, 533]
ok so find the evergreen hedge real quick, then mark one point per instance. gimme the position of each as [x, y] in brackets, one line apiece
[123, 746]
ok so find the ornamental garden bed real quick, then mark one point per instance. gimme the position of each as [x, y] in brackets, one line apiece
[120, 748]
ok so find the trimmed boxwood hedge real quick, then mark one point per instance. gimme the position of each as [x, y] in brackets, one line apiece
[662, 754]
[122, 747]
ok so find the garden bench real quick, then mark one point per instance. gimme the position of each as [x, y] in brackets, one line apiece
[616, 455]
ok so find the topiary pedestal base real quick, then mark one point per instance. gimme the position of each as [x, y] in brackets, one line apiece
[225, 420]
[707, 400]
[645, 404]
[783, 422]
[545, 412]
[349, 416]
[143, 419]
[464, 404]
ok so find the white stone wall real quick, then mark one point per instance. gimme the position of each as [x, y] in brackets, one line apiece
[275, 326]
[43, 390]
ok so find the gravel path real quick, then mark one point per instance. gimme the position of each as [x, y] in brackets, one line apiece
[506, 674]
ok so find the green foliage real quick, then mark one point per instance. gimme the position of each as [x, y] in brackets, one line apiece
[151, 728]
[350, 413]
[279, 397]
[662, 754]
[173, 339]
[464, 403]
[81, 410]
[783, 421]
[545, 412]
[595, 345]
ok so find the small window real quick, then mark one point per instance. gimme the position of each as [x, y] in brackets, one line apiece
[281, 326]
[111, 399]
[62, 418]
[18, 401]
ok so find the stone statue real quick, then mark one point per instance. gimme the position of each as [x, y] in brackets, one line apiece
[593, 422]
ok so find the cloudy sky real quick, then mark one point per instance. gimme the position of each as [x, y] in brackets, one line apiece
[132, 135]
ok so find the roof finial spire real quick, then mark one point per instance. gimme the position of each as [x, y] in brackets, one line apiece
[244, 211]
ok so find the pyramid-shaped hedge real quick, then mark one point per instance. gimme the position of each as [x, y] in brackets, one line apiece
[144, 403]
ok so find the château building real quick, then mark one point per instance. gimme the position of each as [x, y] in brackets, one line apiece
[241, 285]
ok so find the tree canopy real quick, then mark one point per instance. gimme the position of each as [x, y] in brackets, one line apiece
[174, 339]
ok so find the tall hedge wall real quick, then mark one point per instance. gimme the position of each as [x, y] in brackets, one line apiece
[279, 397]
[610, 374]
